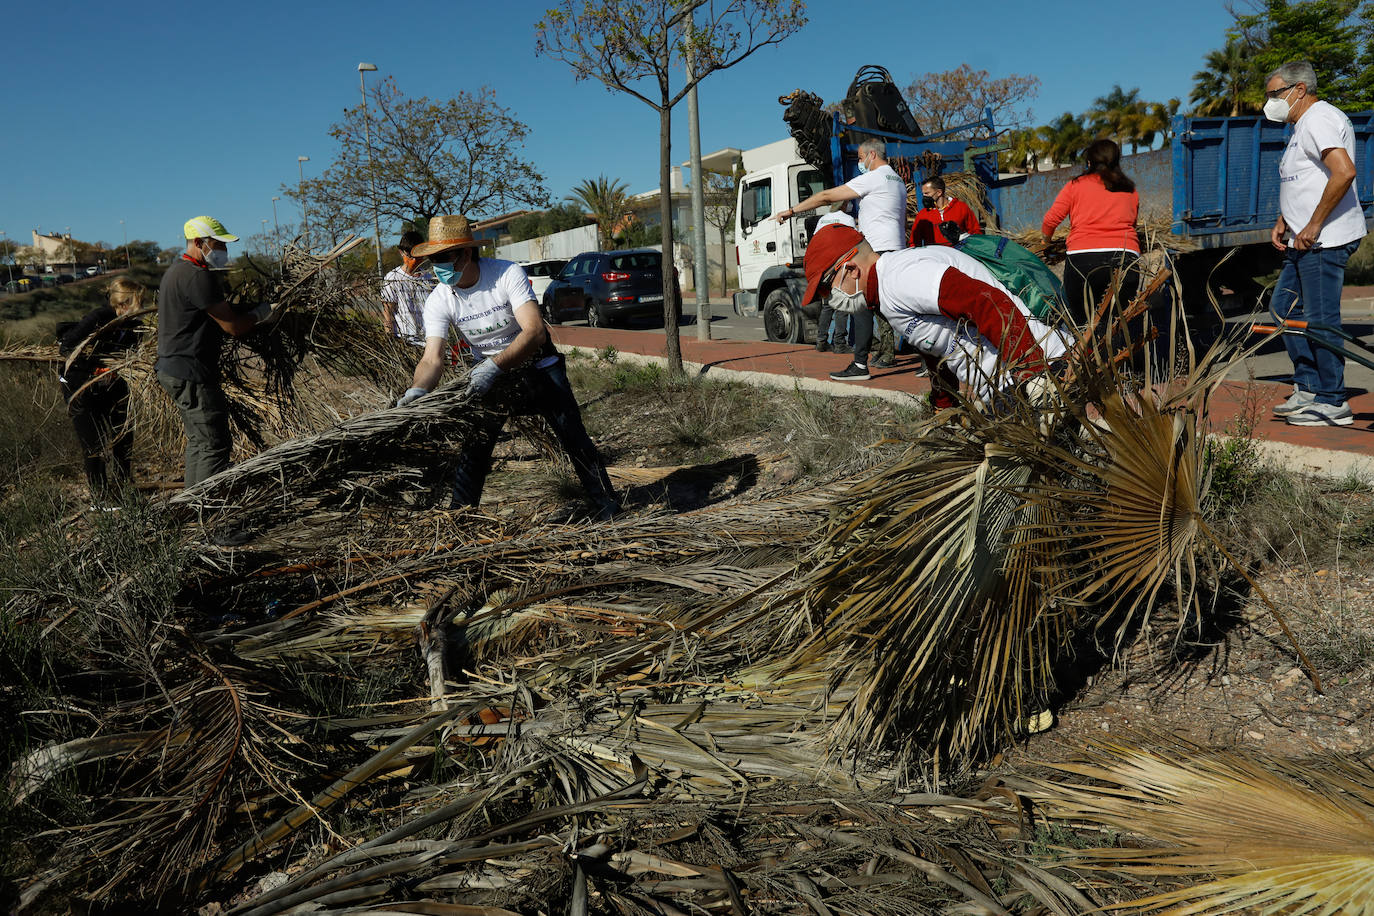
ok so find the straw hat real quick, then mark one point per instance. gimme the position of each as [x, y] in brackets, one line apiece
[446, 232]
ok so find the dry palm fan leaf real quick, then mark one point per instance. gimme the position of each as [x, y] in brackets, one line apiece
[1258, 833]
[960, 576]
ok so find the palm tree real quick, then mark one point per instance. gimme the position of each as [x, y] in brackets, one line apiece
[1220, 87]
[1155, 121]
[1024, 149]
[605, 199]
[1117, 115]
[1063, 139]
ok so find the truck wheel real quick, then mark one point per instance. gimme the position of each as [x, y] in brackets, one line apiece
[781, 322]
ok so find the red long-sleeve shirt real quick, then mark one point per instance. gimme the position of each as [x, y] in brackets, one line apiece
[1099, 220]
[926, 229]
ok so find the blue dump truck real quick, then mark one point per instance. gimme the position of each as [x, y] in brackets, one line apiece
[1215, 186]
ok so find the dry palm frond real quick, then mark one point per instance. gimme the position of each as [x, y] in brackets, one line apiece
[946, 594]
[1155, 232]
[912, 591]
[31, 353]
[1279, 836]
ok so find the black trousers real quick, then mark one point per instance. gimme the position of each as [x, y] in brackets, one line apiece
[1088, 276]
[100, 416]
[531, 392]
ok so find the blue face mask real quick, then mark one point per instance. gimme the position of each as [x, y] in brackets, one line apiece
[444, 272]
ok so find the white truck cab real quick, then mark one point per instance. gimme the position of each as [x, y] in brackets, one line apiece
[769, 253]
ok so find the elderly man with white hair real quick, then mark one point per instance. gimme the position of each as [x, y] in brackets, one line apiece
[1319, 227]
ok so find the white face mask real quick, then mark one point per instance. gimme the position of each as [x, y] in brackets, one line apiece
[847, 303]
[863, 167]
[1277, 109]
[217, 258]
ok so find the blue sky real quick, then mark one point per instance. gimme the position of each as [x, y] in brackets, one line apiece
[153, 113]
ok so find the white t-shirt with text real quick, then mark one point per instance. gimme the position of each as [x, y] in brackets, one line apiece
[484, 313]
[909, 284]
[882, 207]
[408, 292]
[1303, 176]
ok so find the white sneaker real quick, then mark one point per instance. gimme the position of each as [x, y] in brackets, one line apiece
[1316, 414]
[1296, 401]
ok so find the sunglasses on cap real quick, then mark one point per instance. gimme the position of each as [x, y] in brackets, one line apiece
[829, 276]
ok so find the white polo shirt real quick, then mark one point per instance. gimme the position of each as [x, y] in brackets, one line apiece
[408, 293]
[882, 207]
[1303, 176]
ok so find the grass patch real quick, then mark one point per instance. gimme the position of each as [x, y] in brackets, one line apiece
[36, 436]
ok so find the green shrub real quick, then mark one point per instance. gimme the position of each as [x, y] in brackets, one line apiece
[1360, 268]
[628, 376]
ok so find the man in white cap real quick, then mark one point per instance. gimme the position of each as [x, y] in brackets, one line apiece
[492, 306]
[193, 315]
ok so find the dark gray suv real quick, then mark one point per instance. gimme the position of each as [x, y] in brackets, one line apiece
[608, 287]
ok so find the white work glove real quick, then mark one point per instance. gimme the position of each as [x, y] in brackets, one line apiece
[1042, 392]
[412, 394]
[266, 314]
[483, 376]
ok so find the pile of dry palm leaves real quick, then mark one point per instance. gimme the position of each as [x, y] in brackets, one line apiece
[327, 324]
[729, 710]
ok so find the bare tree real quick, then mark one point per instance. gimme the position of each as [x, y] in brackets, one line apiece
[949, 98]
[720, 213]
[458, 155]
[640, 46]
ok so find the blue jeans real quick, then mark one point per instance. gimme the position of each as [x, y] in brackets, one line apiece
[1309, 289]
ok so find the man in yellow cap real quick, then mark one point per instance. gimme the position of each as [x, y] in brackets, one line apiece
[193, 315]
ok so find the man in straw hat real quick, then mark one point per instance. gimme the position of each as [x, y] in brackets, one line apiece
[193, 315]
[491, 305]
[967, 325]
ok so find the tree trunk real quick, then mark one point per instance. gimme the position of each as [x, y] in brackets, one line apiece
[724, 268]
[665, 215]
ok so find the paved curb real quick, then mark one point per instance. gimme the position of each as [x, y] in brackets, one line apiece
[1318, 462]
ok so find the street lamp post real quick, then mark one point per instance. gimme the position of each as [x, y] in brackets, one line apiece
[71, 250]
[276, 227]
[371, 174]
[127, 263]
[305, 214]
[9, 263]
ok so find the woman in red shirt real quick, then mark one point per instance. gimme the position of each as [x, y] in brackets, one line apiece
[1101, 205]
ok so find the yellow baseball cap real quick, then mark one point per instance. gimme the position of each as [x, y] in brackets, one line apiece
[207, 227]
